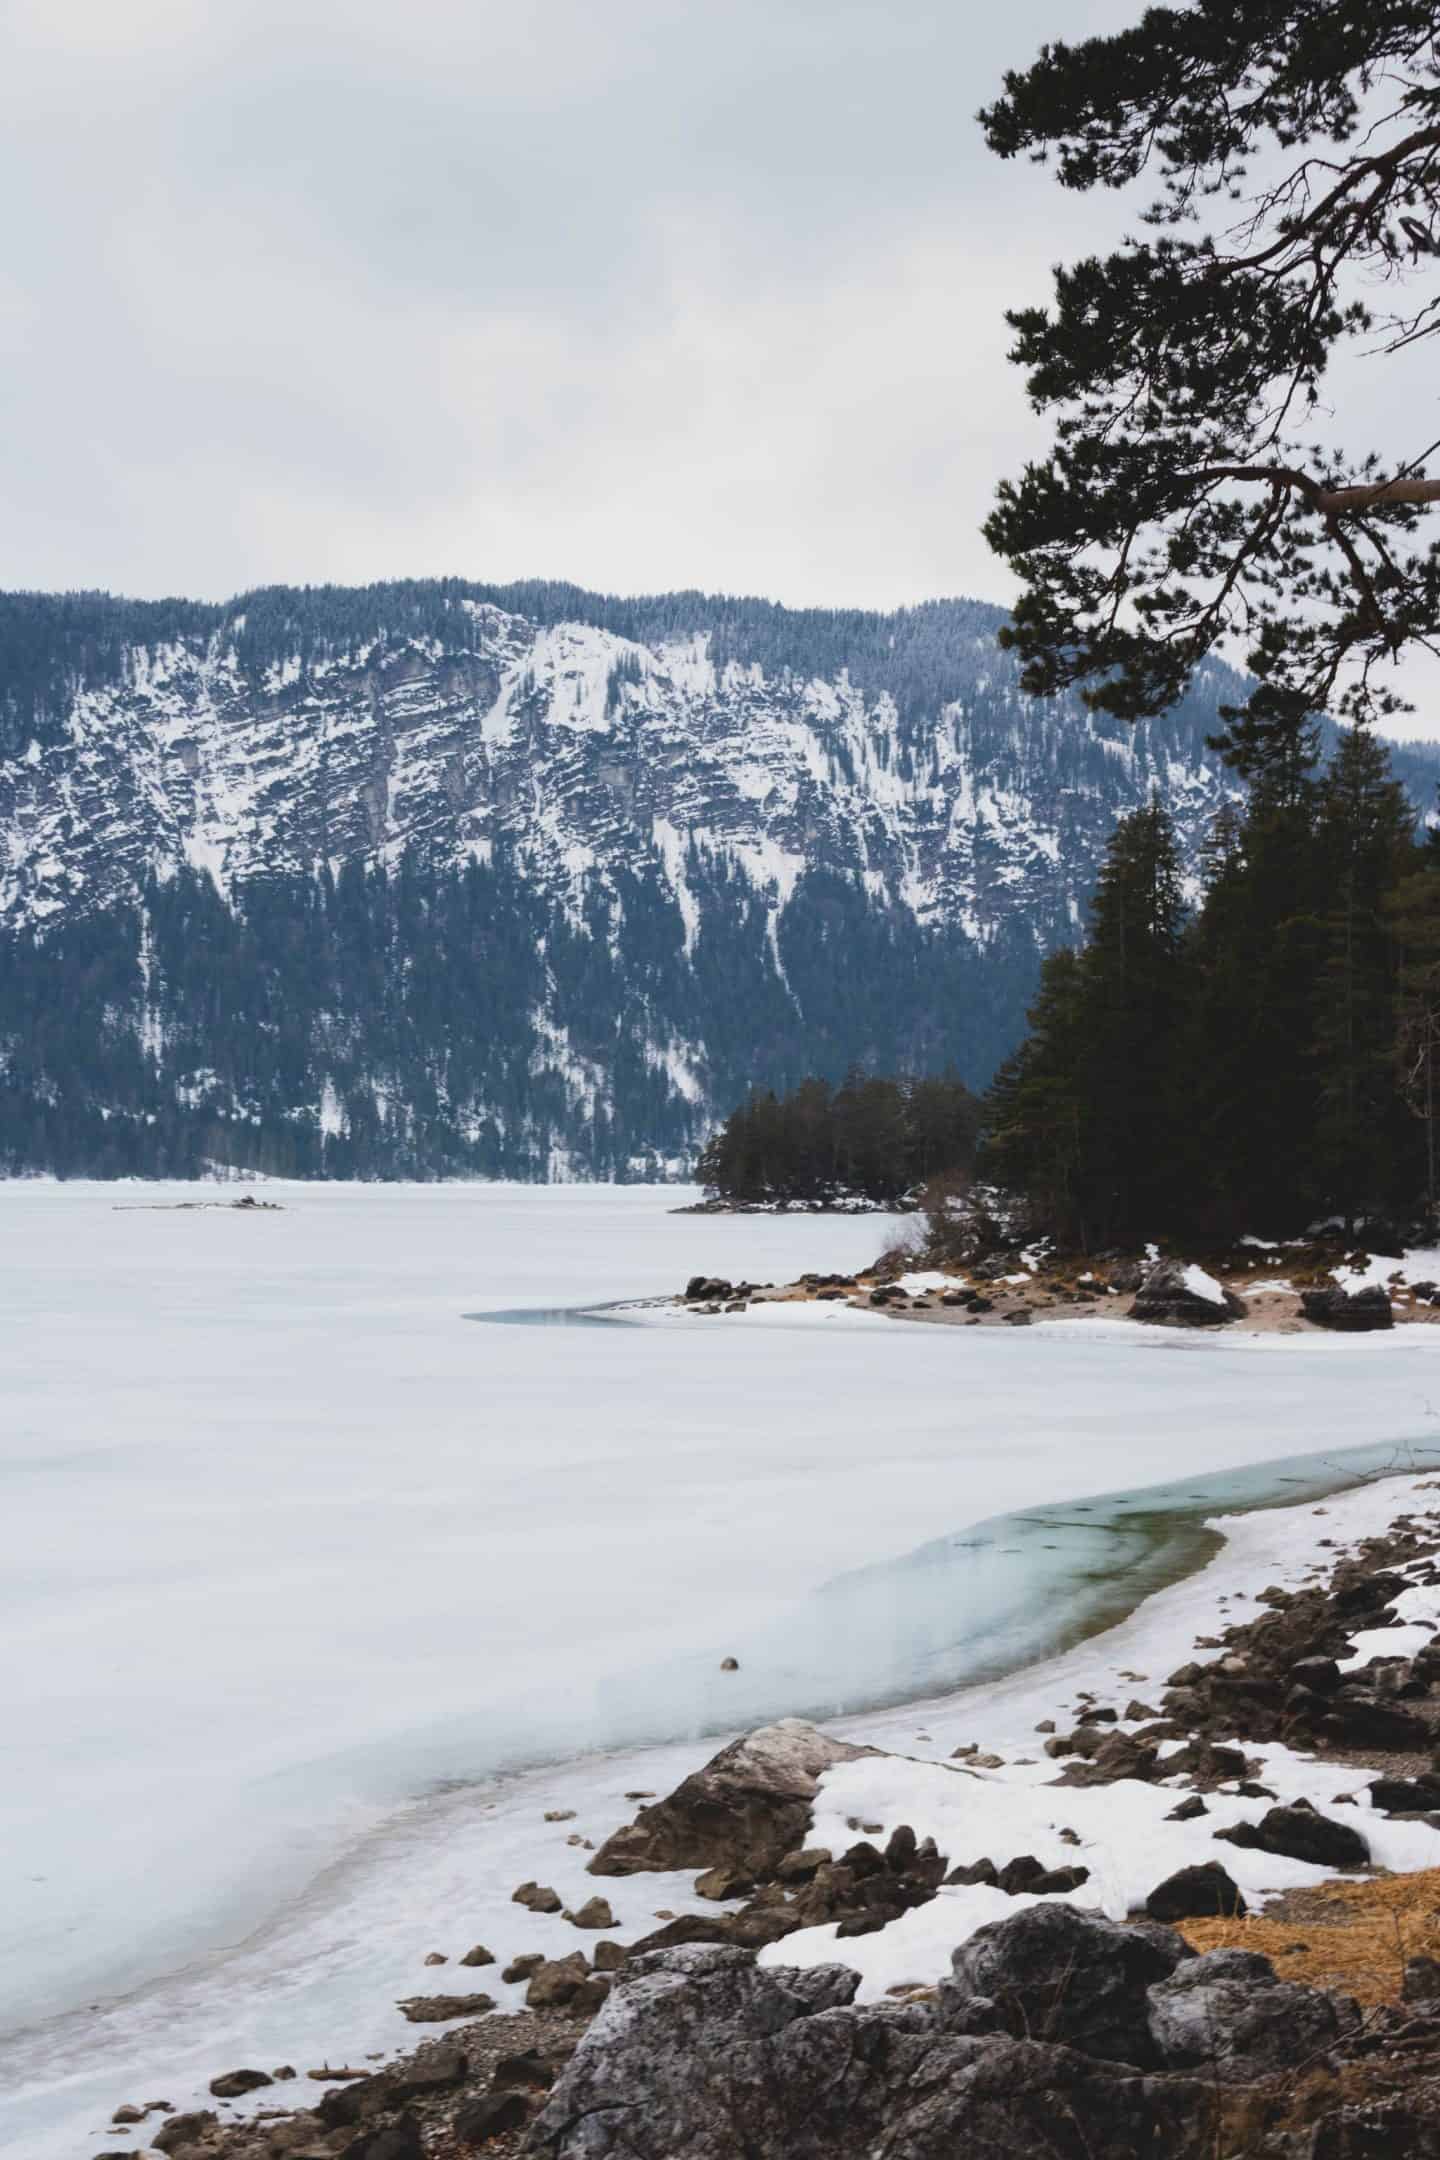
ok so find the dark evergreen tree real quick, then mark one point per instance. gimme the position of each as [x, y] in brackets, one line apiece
[1035, 1122]
[1185, 499]
[1264, 1064]
[1134, 975]
[1414, 911]
[1364, 842]
[869, 1139]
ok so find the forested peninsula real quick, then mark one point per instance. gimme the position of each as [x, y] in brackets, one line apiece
[1250, 1051]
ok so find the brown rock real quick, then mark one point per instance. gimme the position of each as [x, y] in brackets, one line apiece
[236, 2082]
[478, 1956]
[440, 2009]
[1119, 1755]
[802, 1866]
[183, 2130]
[594, 1913]
[566, 1984]
[1206, 1763]
[746, 1809]
[539, 1897]
[489, 2116]
[528, 2067]
[722, 1882]
[436, 2070]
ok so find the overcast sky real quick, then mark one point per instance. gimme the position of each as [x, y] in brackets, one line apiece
[640, 294]
[644, 294]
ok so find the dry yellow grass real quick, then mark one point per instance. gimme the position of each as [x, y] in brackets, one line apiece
[1350, 1936]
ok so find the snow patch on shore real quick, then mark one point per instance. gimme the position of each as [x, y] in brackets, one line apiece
[1121, 1835]
[1419, 1610]
[1124, 1838]
[326, 1979]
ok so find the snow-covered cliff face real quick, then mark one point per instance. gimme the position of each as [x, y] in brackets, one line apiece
[585, 752]
[523, 881]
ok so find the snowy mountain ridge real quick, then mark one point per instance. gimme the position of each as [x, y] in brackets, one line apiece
[432, 878]
[583, 750]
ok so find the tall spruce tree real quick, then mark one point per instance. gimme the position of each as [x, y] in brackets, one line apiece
[1257, 945]
[1036, 1127]
[1363, 837]
[1134, 971]
[1275, 1058]
[1414, 911]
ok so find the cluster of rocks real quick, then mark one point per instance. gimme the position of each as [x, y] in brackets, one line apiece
[713, 1294]
[863, 1890]
[1168, 1292]
[828, 1287]
[968, 1300]
[574, 1983]
[1280, 1677]
[477, 2091]
[1058, 2034]
[742, 1819]
[1174, 1295]
[1165, 1292]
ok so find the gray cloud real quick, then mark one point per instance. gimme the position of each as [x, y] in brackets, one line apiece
[641, 295]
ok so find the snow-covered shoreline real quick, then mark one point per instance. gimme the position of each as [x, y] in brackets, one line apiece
[478, 1854]
[1124, 1837]
[1339, 1289]
[310, 1594]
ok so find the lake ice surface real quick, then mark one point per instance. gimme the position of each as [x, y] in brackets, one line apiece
[298, 1559]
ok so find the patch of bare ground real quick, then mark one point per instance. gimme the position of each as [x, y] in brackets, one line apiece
[1353, 1937]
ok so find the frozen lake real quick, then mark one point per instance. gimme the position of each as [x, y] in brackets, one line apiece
[291, 1545]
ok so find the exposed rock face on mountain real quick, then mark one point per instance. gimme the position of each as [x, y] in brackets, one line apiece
[283, 732]
[665, 848]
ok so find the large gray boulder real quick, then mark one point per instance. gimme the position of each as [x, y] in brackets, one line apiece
[1062, 2036]
[1181, 1295]
[702, 2055]
[1059, 1974]
[746, 1809]
[1355, 1314]
[1227, 2012]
